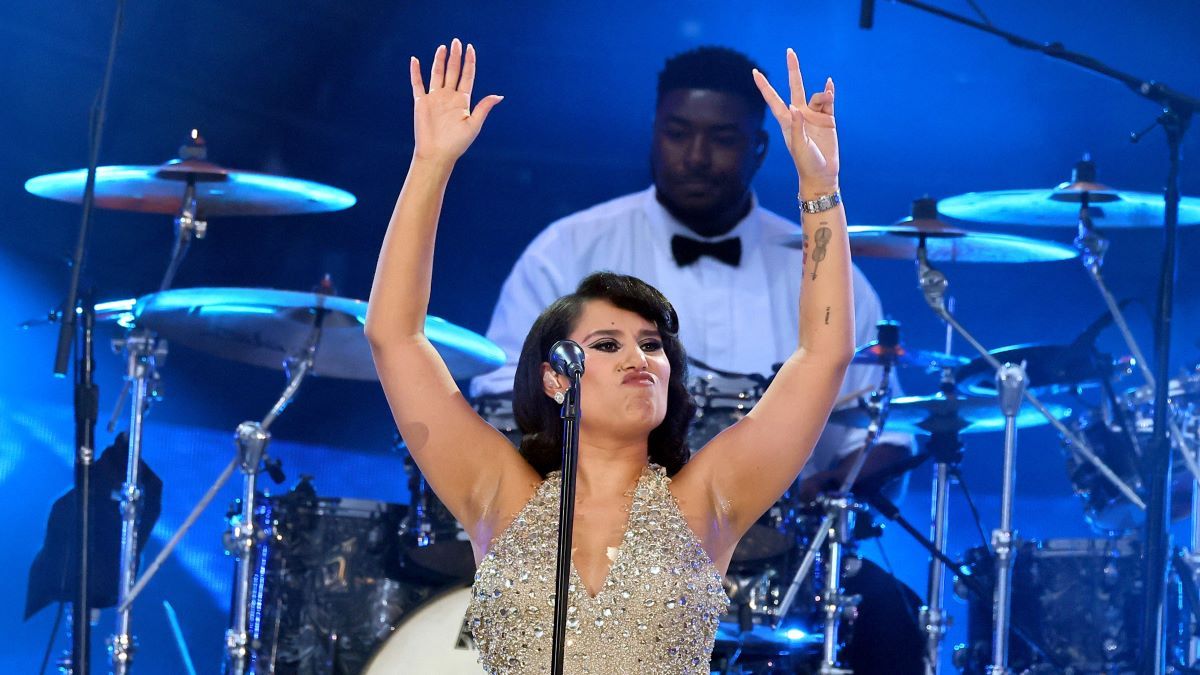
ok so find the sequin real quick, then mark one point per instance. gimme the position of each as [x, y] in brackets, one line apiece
[672, 635]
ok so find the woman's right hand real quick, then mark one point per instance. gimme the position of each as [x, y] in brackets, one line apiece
[444, 125]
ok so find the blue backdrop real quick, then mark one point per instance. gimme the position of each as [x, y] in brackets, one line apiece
[317, 89]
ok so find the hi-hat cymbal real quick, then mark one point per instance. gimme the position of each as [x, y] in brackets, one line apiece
[943, 242]
[265, 327]
[872, 354]
[219, 191]
[900, 242]
[942, 413]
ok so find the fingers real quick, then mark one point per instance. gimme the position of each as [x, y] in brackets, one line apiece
[778, 108]
[795, 79]
[414, 75]
[468, 73]
[454, 64]
[437, 74]
[483, 108]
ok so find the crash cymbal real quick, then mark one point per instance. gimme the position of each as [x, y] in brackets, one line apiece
[219, 191]
[265, 327]
[873, 354]
[1059, 207]
[937, 413]
[1041, 208]
[1048, 369]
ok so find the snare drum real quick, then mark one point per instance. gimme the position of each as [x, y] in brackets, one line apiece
[433, 639]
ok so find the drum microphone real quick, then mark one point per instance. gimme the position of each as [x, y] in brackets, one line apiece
[866, 14]
[566, 358]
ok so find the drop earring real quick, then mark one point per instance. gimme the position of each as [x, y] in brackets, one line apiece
[559, 397]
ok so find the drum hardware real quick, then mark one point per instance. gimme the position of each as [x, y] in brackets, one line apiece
[186, 187]
[967, 583]
[434, 545]
[836, 525]
[933, 284]
[1010, 385]
[142, 352]
[1092, 246]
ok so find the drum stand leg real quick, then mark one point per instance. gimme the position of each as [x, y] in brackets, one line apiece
[1010, 385]
[947, 451]
[141, 351]
[245, 535]
[836, 604]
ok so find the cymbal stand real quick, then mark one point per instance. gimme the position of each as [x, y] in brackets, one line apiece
[142, 353]
[244, 537]
[1092, 246]
[1010, 385]
[933, 284]
[836, 526]
[187, 226]
[946, 449]
[251, 439]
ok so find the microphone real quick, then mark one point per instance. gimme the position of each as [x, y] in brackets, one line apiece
[566, 358]
[866, 14]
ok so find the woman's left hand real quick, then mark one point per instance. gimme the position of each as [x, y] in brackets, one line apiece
[808, 128]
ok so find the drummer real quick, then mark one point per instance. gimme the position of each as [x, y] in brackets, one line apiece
[700, 236]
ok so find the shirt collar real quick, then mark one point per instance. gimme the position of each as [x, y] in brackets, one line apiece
[749, 228]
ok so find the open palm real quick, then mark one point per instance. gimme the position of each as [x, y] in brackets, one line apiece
[444, 125]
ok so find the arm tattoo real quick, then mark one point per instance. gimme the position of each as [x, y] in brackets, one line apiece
[826, 315]
[822, 237]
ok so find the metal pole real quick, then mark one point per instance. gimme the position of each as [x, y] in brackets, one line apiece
[87, 401]
[139, 350]
[1010, 385]
[932, 619]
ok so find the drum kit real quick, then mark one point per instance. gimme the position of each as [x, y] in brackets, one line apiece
[339, 585]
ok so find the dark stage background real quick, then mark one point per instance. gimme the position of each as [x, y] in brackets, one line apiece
[317, 90]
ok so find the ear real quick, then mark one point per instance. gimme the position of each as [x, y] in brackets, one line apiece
[550, 381]
[760, 147]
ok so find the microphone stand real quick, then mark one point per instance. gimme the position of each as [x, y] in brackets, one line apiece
[566, 518]
[1177, 109]
[86, 393]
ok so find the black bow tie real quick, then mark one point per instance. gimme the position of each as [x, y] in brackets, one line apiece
[687, 250]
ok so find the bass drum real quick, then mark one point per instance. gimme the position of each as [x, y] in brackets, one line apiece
[433, 639]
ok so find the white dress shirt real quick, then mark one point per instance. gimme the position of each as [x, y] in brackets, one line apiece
[742, 319]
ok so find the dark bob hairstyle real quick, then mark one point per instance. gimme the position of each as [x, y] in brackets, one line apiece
[538, 415]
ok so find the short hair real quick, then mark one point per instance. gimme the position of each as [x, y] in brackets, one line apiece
[538, 416]
[715, 68]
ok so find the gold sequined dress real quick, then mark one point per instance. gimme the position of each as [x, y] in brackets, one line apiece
[657, 611]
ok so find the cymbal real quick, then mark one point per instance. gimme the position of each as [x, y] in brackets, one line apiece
[872, 354]
[1048, 368]
[942, 413]
[900, 242]
[219, 191]
[264, 327]
[1059, 207]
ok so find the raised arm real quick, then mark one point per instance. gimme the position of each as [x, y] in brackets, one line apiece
[467, 463]
[746, 468]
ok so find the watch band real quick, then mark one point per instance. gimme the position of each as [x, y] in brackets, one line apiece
[822, 203]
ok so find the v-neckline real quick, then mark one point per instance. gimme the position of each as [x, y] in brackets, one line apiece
[612, 563]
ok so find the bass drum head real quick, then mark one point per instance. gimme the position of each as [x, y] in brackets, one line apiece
[433, 639]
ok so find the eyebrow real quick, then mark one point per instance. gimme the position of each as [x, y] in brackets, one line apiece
[645, 332]
[674, 119]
